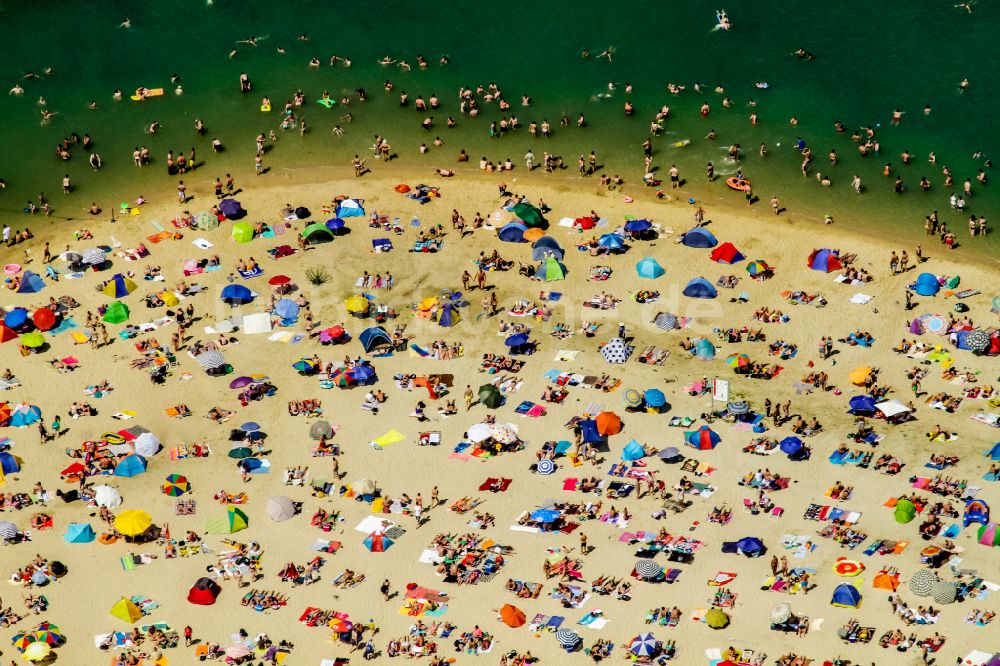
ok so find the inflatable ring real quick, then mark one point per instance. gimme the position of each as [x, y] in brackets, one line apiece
[12, 269]
[628, 199]
[106, 538]
[846, 567]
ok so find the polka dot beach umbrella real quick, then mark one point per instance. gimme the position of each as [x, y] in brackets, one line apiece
[978, 341]
[175, 485]
[922, 582]
[647, 569]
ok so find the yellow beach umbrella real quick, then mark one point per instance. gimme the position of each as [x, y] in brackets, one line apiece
[133, 522]
[37, 651]
[356, 303]
[169, 298]
[859, 375]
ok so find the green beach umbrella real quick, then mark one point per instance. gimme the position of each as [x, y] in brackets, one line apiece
[242, 232]
[32, 340]
[531, 216]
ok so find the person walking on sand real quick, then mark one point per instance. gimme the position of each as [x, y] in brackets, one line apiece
[584, 549]
[775, 204]
[774, 565]
[385, 589]
[468, 397]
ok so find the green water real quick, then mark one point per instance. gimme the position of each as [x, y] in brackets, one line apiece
[871, 58]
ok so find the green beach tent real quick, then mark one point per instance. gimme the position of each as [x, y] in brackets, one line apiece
[242, 232]
[234, 521]
[317, 231]
[905, 511]
[531, 216]
[550, 270]
[116, 313]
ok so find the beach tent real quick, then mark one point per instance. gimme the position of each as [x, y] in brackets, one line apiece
[375, 338]
[649, 268]
[6, 333]
[904, 511]
[989, 535]
[79, 533]
[611, 242]
[700, 288]
[448, 315]
[280, 509]
[236, 294]
[16, 318]
[119, 286]
[204, 592]
[546, 245]
[608, 423]
[616, 351]
[703, 439]
[133, 522]
[704, 349]
[30, 283]
[126, 611]
[750, 547]
[512, 616]
[317, 232]
[846, 596]
[727, 254]
[377, 542]
[633, 451]
[886, 581]
[116, 313]
[550, 270]
[927, 285]
[490, 396]
[24, 415]
[130, 466]
[530, 215]
[9, 463]
[349, 208]
[242, 232]
[980, 658]
[994, 453]
[512, 233]
[824, 260]
[231, 208]
[234, 521]
[699, 238]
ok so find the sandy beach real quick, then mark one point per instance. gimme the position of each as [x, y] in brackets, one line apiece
[80, 601]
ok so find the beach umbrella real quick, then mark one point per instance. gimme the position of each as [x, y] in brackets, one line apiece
[45, 319]
[790, 445]
[240, 382]
[632, 398]
[666, 321]
[71, 257]
[647, 569]
[22, 640]
[16, 318]
[332, 333]
[616, 351]
[335, 224]
[738, 360]
[944, 592]
[126, 610]
[357, 304]
[716, 619]
[211, 360]
[637, 226]
[726, 254]
[33, 340]
[704, 349]
[341, 378]
[533, 234]
[93, 257]
[107, 496]
[550, 270]
[530, 215]
[649, 268]
[280, 509]
[750, 546]
[176, 485]
[859, 375]
[236, 294]
[146, 444]
[237, 651]
[8, 530]
[133, 522]
[504, 433]
[242, 232]
[490, 396]
[517, 340]
[824, 260]
[738, 407]
[699, 237]
[861, 404]
[320, 429]
[5, 413]
[363, 486]
[757, 267]
[567, 637]
[643, 645]
[340, 626]
[545, 467]
[116, 313]
[204, 592]
[545, 515]
[669, 453]
[240, 452]
[279, 280]
[700, 288]
[286, 308]
[234, 521]
[608, 423]
[612, 242]
[119, 286]
[37, 651]
[512, 616]
[977, 340]
[478, 432]
[781, 613]
[205, 221]
[230, 207]
[377, 542]
[304, 365]
[655, 397]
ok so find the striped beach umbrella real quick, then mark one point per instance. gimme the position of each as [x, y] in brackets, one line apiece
[8, 530]
[647, 569]
[211, 360]
[632, 398]
[93, 257]
[546, 466]
[738, 360]
[22, 641]
[738, 407]
[666, 321]
[567, 637]
[643, 646]
[176, 485]
[944, 592]
[922, 582]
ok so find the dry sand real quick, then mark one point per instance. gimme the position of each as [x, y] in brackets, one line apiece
[80, 602]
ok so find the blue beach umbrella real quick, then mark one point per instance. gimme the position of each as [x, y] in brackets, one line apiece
[236, 294]
[655, 398]
[637, 226]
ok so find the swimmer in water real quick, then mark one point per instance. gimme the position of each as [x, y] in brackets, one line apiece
[585, 53]
[967, 6]
[117, 96]
[386, 61]
[127, 23]
[178, 90]
[16, 90]
[41, 101]
[722, 19]
[47, 115]
[607, 53]
[251, 40]
[303, 38]
[281, 50]
[963, 85]
[30, 75]
[314, 62]
[232, 54]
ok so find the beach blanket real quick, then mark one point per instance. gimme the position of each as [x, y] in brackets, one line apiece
[248, 275]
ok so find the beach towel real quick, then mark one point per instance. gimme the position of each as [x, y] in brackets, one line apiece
[860, 299]
[65, 325]
[201, 243]
[247, 275]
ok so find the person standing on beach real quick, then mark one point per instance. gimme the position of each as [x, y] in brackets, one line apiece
[67, 184]
[258, 165]
[181, 192]
[775, 205]
[385, 589]
[675, 176]
[529, 160]
[468, 397]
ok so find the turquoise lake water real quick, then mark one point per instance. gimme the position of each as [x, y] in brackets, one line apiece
[870, 59]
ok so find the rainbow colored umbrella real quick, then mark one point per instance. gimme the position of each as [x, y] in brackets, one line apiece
[342, 379]
[738, 360]
[176, 485]
[22, 641]
[758, 267]
[47, 632]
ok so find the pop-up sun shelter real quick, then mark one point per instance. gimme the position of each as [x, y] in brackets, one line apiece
[204, 592]
[375, 338]
[846, 596]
